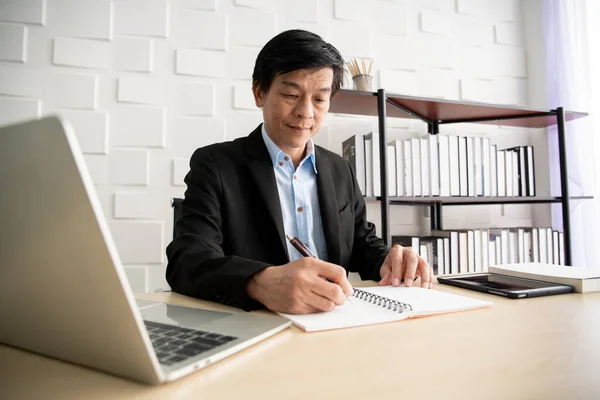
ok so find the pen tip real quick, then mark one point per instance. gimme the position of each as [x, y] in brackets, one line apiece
[288, 237]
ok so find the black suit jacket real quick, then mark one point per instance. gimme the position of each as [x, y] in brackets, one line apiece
[231, 225]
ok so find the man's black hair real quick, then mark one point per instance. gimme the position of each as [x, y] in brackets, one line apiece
[293, 50]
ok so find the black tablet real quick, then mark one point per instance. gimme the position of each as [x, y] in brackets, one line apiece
[504, 285]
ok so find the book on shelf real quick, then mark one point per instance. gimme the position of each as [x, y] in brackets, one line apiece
[353, 150]
[583, 279]
[441, 165]
[382, 304]
[391, 170]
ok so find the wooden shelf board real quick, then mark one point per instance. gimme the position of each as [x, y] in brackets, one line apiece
[444, 111]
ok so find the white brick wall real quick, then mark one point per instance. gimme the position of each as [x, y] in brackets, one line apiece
[146, 82]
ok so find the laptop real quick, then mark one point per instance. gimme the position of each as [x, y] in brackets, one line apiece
[503, 285]
[63, 289]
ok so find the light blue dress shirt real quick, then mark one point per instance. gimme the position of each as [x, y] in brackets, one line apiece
[299, 198]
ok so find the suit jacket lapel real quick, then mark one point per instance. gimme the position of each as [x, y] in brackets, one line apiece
[261, 168]
[328, 206]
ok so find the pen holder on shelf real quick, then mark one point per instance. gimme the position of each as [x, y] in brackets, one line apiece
[363, 82]
[360, 70]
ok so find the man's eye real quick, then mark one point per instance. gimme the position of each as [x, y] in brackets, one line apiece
[290, 96]
[320, 100]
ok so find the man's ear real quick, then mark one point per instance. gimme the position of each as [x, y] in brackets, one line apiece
[258, 96]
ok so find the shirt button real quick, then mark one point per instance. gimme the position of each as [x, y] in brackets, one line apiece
[286, 158]
[300, 209]
[280, 164]
[295, 177]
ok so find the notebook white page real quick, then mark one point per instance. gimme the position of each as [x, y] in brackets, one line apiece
[357, 312]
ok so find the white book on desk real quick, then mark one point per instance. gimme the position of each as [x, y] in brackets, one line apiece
[584, 280]
[363, 308]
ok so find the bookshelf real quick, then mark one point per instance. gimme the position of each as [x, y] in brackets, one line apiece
[436, 112]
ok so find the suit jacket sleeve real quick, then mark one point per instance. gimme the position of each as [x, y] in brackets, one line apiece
[197, 264]
[368, 250]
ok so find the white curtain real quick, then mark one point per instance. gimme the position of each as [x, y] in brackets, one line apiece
[568, 86]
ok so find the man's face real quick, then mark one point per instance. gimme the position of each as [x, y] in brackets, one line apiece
[295, 106]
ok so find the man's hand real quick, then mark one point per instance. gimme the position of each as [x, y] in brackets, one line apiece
[402, 263]
[303, 286]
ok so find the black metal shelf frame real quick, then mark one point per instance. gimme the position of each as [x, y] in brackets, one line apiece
[435, 204]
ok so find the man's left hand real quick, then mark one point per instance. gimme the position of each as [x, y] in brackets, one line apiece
[403, 264]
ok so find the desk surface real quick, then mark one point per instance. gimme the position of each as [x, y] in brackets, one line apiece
[546, 347]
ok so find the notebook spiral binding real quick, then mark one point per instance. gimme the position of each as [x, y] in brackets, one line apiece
[381, 301]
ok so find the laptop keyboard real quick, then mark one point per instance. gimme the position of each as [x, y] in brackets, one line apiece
[174, 344]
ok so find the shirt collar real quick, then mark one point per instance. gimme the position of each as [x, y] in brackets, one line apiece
[275, 152]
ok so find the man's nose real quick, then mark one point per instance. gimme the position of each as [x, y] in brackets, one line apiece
[304, 109]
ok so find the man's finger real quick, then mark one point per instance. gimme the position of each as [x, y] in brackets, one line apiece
[319, 302]
[386, 279]
[411, 261]
[395, 259]
[329, 290]
[335, 274]
[432, 278]
[426, 273]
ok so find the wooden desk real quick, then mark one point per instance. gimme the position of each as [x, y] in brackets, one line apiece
[544, 348]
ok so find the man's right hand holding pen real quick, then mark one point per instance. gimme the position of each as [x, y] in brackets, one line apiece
[310, 285]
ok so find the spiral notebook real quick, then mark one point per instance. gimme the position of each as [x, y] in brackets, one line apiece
[379, 304]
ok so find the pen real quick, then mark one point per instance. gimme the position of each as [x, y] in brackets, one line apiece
[305, 251]
[301, 247]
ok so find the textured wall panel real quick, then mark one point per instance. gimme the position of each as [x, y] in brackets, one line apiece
[438, 52]
[91, 129]
[505, 10]
[264, 4]
[13, 45]
[16, 110]
[197, 4]
[82, 19]
[305, 11]
[243, 124]
[76, 91]
[201, 30]
[512, 91]
[82, 53]
[137, 127]
[509, 61]
[136, 205]
[438, 83]
[21, 82]
[97, 166]
[472, 31]
[142, 17]
[181, 166]
[195, 98]
[263, 27]
[477, 8]
[128, 167]
[189, 133]
[28, 11]
[351, 10]
[141, 90]
[436, 22]
[477, 63]
[405, 55]
[240, 61]
[201, 63]
[476, 90]
[508, 33]
[138, 242]
[133, 54]
[404, 82]
[136, 276]
[391, 17]
[352, 42]
[242, 96]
